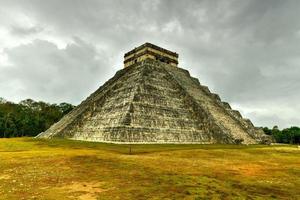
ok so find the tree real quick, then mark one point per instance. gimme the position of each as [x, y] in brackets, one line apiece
[288, 135]
[29, 117]
[2, 100]
[65, 108]
[267, 131]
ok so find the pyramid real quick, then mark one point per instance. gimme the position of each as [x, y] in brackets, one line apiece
[152, 100]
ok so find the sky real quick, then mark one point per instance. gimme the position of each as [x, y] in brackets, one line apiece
[247, 51]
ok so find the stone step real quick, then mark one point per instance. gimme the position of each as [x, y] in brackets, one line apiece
[146, 135]
[158, 100]
[202, 95]
[158, 89]
[79, 110]
[163, 121]
[159, 110]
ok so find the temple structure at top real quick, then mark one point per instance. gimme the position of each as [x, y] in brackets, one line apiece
[151, 51]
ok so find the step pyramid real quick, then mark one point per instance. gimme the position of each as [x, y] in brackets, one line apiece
[154, 101]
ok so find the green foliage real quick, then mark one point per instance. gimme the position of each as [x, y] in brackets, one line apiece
[28, 118]
[288, 135]
[267, 131]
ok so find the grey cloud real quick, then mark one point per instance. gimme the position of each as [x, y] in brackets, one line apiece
[22, 31]
[42, 71]
[247, 51]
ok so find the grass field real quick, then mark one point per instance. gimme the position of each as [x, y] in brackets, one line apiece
[62, 169]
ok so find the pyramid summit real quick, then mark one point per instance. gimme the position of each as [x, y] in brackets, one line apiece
[151, 51]
[152, 100]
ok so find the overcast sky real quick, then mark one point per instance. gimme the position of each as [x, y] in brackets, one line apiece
[247, 51]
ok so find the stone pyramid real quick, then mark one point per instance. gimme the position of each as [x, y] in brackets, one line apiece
[152, 100]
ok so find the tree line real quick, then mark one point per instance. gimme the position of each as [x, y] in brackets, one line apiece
[29, 117]
[288, 135]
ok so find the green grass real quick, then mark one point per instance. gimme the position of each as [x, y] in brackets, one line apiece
[65, 169]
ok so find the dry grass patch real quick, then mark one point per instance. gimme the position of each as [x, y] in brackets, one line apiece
[63, 169]
[84, 190]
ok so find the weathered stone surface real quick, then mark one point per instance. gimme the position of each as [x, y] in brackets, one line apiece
[154, 102]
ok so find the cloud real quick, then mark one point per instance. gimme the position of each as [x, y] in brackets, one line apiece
[40, 70]
[247, 51]
[23, 31]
